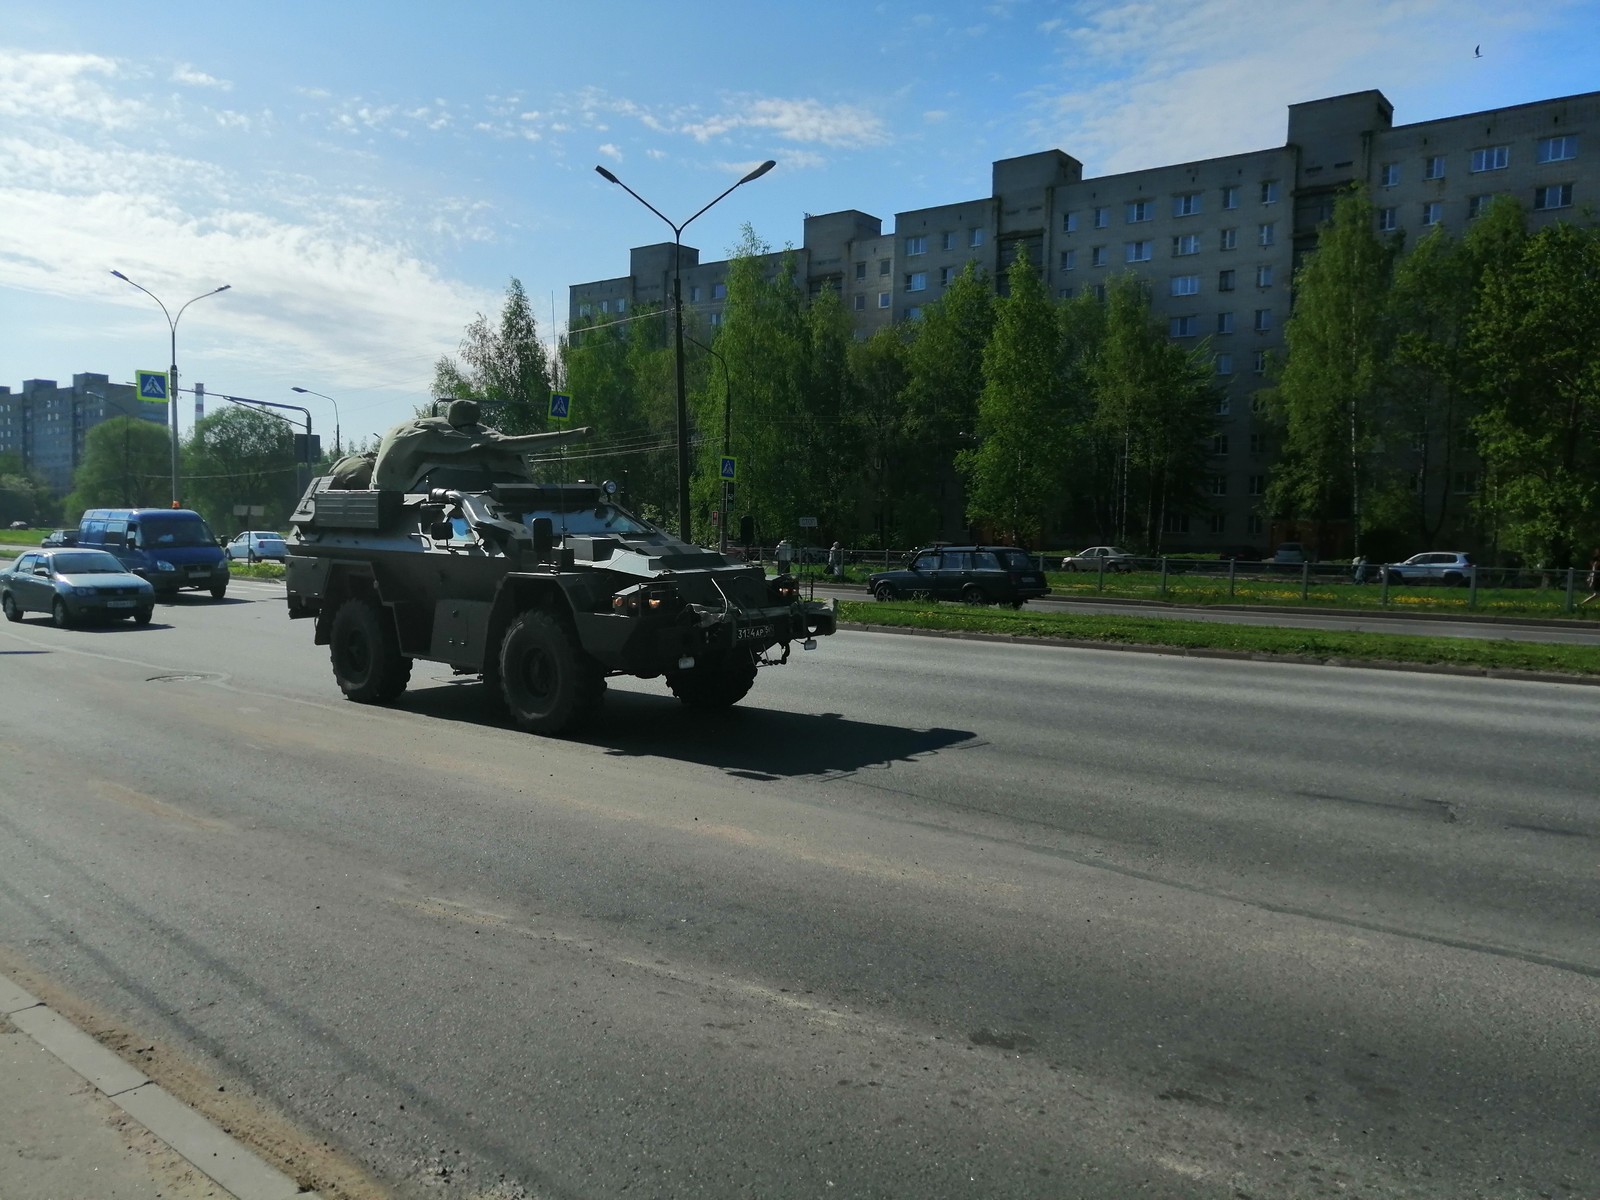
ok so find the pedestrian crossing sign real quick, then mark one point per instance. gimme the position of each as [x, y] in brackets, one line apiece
[152, 386]
[730, 468]
[560, 406]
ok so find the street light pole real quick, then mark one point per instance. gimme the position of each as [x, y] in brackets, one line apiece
[684, 529]
[172, 378]
[332, 401]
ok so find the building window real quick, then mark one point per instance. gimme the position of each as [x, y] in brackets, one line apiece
[1219, 444]
[1223, 405]
[861, 303]
[975, 238]
[885, 265]
[1265, 233]
[1558, 149]
[1557, 195]
[1478, 205]
[719, 291]
[716, 320]
[1185, 285]
[1217, 485]
[1064, 293]
[917, 245]
[1098, 256]
[1183, 327]
[1230, 196]
[913, 312]
[1256, 525]
[1386, 220]
[1100, 292]
[1102, 218]
[883, 299]
[1139, 210]
[1225, 280]
[1069, 260]
[694, 293]
[1269, 191]
[583, 310]
[1225, 322]
[947, 241]
[1139, 251]
[1432, 212]
[1069, 222]
[1258, 366]
[1491, 158]
[1464, 483]
[917, 281]
[1185, 243]
[1230, 239]
[1258, 443]
[1224, 364]
[1433, 167]
[1175, 523]
[1263, 276]
[1258, 485]
[1186, 205]
[1263, 320]
[947, 276]
[1389, 174]
[1218, 522]
[861, 270]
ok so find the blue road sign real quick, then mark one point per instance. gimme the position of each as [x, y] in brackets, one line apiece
[730, 467]
[560, 406]
[152, 385]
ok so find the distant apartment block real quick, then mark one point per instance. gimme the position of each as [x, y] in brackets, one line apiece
[1216, 241]
[45, 424]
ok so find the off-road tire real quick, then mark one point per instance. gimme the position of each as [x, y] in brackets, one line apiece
[885, 591]
[9, 603]
[547, 683]
[715, 682]
[365, 651]
[59, 614]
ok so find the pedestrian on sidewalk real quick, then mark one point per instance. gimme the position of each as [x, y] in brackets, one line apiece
[1593, 581]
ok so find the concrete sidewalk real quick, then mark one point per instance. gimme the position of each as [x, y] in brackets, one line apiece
[79, 1123]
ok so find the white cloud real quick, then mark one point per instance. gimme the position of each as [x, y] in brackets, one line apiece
[796, 120]
[610, 151]
[59, 88]
[185, 74]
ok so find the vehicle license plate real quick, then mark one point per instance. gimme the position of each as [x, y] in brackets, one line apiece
[120, 603]
[752, 633]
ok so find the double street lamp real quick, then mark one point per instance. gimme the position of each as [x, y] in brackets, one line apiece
[172, 378]
[684, 529]
[332, 401]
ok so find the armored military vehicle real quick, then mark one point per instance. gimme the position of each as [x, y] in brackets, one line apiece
[443, 547]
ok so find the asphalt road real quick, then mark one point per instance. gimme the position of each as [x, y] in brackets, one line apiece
[923, 918]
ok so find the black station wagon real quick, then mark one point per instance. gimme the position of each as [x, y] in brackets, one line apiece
[972, 574]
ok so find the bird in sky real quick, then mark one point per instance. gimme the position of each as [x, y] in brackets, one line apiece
[1477, 51]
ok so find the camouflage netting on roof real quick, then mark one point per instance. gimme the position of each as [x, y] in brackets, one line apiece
[413, 448]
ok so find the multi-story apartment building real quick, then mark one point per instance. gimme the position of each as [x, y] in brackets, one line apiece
[1216, 241]
[45, 424]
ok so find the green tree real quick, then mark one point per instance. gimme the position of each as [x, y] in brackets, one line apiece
[879, 426]
[126, 463]
[241, 457]
[1010, 473]
[1329, 392]
[503, 365]
[1536, 341]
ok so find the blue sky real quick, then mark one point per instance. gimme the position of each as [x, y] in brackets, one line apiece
[368, 176]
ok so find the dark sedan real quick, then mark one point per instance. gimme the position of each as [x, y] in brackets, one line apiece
[72, 585]
[972, 574]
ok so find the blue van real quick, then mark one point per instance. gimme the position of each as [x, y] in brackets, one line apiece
[171, 547]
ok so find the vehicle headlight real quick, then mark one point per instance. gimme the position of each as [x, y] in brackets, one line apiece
[163, 565]
[84, 591]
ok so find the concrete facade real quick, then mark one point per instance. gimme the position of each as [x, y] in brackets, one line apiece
[45, 424]
[1216, 240]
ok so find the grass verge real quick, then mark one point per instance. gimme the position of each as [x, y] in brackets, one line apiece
[1250, 639]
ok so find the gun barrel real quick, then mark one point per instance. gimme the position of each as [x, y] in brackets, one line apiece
[530, 441]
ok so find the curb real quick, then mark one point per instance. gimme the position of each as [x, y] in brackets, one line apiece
[1302, 660]
[215, 1154]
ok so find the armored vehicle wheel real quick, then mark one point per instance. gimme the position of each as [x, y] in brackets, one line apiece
[884, 591]
[366, 653]
[715, 682]
[548, 684]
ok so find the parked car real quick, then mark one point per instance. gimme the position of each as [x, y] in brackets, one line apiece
[1114, 558]
[73, 584]
[59, 537]
[1453, 568]
[1289, 554]
[19, 525]
[972, 574]
[255, 545]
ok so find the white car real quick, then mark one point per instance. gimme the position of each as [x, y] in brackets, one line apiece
[257, 544]
[1112, 558]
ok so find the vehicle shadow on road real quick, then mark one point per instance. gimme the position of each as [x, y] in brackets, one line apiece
[750, 742]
